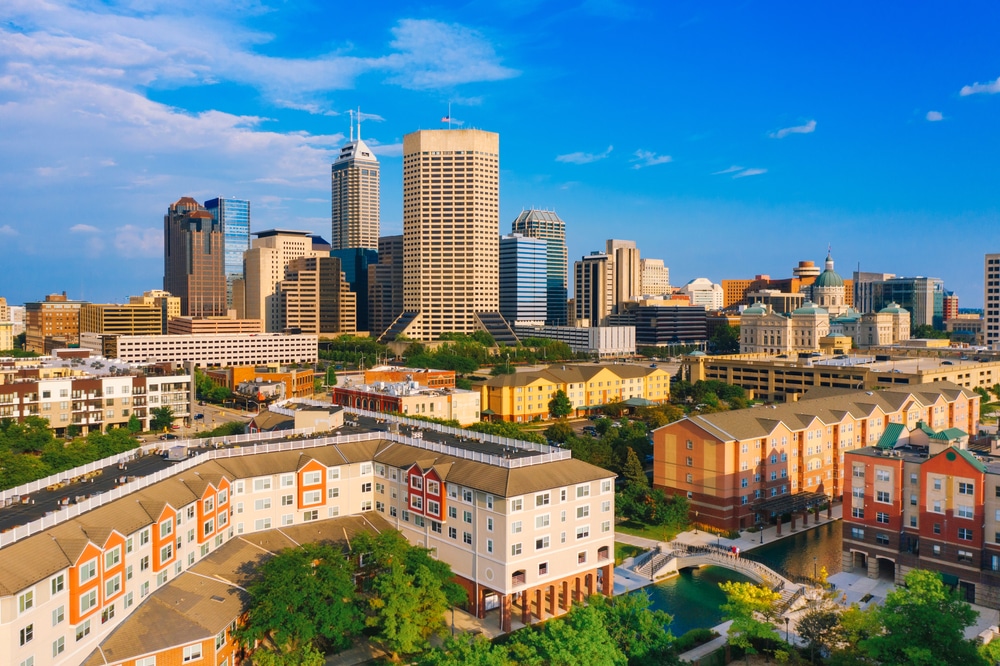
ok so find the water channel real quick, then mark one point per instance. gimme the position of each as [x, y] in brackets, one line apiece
[693, 596]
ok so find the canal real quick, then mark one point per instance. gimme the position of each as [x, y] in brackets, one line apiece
[693, 596]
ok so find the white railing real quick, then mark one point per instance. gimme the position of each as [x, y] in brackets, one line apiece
[547, 453]
[125, 456]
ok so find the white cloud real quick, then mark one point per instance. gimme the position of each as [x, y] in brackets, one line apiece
[749, 172]
[134, 241]
[645, 158]
[386, 149]
[7, 230]
[731, 169]
[934, 116]
[807, 128]
[310, 108]
[83, 229]
[990, 87]
[583, 158]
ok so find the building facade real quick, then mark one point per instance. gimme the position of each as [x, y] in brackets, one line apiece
[742, 467]
[355, 264]
[663, 325]
[548, 226]
[525, 533]
[385, 285]
[355, 188]
[410, 399]
[233, 215]
[194, 259]
[265, 264]
[315, 298]
[523, 280]
[627, 276]
[451, 230]
[219, 349]
[524, 396]
[595, 341]
[991, 300]
[762, 330]
[654, 277]
[593, 289]
[169, 306]
[51, 323]
[702, 291]
[120, 319]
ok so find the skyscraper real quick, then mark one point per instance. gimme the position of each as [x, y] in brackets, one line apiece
[627, 274]
[991, 300]
[234, 216]
[315, 297]
[354, 180]
[593, 289]
[193, 259]
[545, 224]
[523, 273]
[451, 230]
[385, 285]
[654, 277]
[265, 265]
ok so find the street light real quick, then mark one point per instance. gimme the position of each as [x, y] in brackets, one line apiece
[695, 522]
[786, 630]
[815, 573]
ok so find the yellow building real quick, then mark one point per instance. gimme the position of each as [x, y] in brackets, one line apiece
[169, 306]
[524, 396]
[130, 319]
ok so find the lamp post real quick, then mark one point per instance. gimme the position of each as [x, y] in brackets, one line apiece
[786, 630]
[815, 573]
[695, 522]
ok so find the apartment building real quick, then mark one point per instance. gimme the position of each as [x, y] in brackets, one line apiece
[409, 397]
[92, 403]
[54, 322]
[743, 467]
[524, 396]
[219, 350]
[153, 577]
[921, 499]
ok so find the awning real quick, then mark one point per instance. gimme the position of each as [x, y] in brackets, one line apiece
[949, 579]
[487, 412]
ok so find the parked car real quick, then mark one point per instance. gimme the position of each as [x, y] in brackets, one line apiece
[168, 436]
[175, 427]
[198, 417]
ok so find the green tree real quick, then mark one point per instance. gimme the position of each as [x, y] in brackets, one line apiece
[331, 375]
[752, 609]
[725, 340]
[506, 429]
[924, 332]
[466, 650]
[163, 418]
[134, 424]
[407, 608]
[307, 656]
[924, 623]
[638, 631]
[581, 638]
[632, 471]
[560, 431]
[821, 628]
[559, 405]
[302, 598]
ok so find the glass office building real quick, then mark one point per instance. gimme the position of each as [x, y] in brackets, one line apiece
[234, 216]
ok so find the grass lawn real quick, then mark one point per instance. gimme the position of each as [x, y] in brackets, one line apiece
[624, 550]
[641, 529]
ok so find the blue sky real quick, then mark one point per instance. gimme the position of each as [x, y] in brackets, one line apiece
[728, 139]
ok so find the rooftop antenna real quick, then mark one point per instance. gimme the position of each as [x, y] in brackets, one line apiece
[449, 115]
[351, 113]
[359, 123]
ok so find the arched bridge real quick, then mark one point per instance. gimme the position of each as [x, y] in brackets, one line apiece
[663, 561]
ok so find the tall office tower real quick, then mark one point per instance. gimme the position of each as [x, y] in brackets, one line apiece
[451, 230]
[523, 280]
[627, 274]
[654, 277]
[234, 216]
[868, 290]
[950, 306]
[385, 285]
[264, 266]
[315, 297]
[194, 259]
[355, 262]
[922, 297]
[991, 300]
[354, 178]
[593, 289]
[545, 224]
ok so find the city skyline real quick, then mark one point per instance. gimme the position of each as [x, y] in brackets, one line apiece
[872, 133]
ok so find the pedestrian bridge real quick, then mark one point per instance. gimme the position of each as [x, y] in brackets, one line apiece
[670, 558]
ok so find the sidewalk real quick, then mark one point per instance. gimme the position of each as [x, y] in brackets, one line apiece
[750, 540]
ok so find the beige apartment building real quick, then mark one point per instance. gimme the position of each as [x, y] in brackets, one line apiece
[219, 350]
[451, 230]
[264, 266]
[526, 532]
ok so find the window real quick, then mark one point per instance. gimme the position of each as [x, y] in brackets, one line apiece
[515, 549]
[82, 630]
[208, 505]
[542, 543]
[964, 556]
[88, 601]
[58, 645]
[690, 461]
[913, 500]
[581, 557]
[467, 537]
[108, 614]
[287, 480]
[434, 488]
[605, 506]
[583, 532]
[366, 468]
[882, 539]
[542, 499]
[583, 511]
[881, 475]
[937, 484]
[208, 527]
[262, 484]
[26, 601]
[262, 504]
[515, 527]
[541, 521]
[857, 512]
[417, 482]
[312, 497]
[965, 534]
[366, 487]
[262, 524]
[113, 586]
[964, 511]
[489, 545]
[129, 599]
[58, 615]
[287, 500]
[937, 528]
[857, 533]
[966, 488]
[192, 653]
[606, 526]
[583, 491]
[144, 589]
[310, 515]
[58, 584]
[27, 633]
[434, 508]
[543, 569]
[452, 533]
[161, 578]
[882, 496]
[87, 571]
[516, 504]
[335, 492]
[605, 486]
[312, 478]
[936, 549]
[333, 473]
[223, 496]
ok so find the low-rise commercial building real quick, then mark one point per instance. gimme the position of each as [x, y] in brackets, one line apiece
[298, 382]
[525, 396]
[213, 325]
[410, 398]
[744, 467]
[600, 341]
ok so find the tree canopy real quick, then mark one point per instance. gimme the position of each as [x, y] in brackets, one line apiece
[560, 405]
[163, 418]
